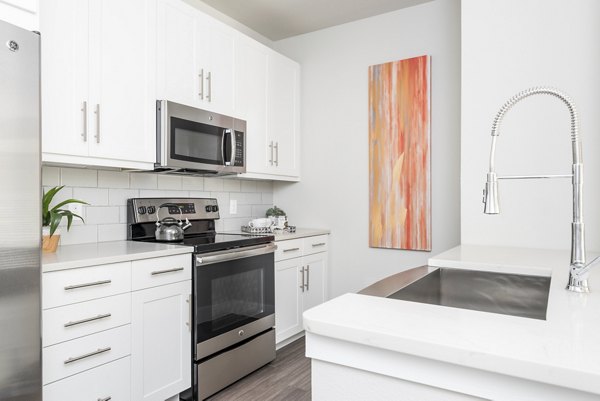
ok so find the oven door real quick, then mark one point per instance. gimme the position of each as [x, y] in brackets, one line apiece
[234, 293]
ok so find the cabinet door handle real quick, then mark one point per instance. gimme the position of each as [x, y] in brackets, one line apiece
[76, 286]
[97, 112]
[84, 133]
[209, 81]
[291, 250]
[271, 159]
[303, 283]
[177, 269]
[201, 76]
[89, 354]
[105, 399]
[319, 244]
[307, 277]
[276, 153]
[87, 320]
[189, 322]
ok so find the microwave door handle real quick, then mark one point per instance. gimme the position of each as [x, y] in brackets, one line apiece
[232, 147]
[223, 147]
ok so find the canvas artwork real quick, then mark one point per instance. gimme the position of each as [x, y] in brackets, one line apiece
[399, 155]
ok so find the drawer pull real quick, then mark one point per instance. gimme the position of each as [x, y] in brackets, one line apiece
[319, 244]
[291, 250]
[177, 269]
[79, 358]
[89, 319]
[105, 399]
[76, 286]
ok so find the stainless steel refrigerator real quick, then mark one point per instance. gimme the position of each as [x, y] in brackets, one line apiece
[20, 215]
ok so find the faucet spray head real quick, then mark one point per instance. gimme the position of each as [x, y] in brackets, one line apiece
[490, 195]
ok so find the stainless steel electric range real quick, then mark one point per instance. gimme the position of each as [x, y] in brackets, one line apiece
[233, 290]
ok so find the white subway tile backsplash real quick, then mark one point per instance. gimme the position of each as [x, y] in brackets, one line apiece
[108, 191]
[248, 186]
[213, 184]
[118, 197]
[169, 182]
[93, 196]
[231, 185]
[80, 234]
[112, 232]
[143, 180]
[193, 183]
[50, 176]
[79, 177]
[113, 179]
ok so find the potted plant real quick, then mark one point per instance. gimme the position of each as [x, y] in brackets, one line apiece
[51, 218]
[277, 216]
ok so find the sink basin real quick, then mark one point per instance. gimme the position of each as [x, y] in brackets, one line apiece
[509, 294]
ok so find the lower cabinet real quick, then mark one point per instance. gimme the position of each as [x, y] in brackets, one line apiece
[300, 283]
[161, 347]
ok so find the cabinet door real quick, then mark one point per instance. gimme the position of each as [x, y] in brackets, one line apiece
[220, 78]
[177, 73]
[316, 270]
[161, 341]
[288, 319]
[64, 59]
[251, 100]
[122, 94]
[283, 113]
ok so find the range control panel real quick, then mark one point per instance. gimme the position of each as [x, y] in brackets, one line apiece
[143, 210]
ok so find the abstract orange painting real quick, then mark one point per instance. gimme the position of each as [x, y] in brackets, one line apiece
[399, 155]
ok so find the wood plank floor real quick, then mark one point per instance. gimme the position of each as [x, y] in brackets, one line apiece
[286, 378]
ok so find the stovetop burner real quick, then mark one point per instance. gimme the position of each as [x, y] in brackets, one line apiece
[216, 241]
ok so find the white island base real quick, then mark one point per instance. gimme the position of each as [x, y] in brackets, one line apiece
[372, 348]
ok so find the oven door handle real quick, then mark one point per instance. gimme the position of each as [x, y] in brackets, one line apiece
[232, 254]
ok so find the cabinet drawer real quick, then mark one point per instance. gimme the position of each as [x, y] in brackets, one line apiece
[292, 248]
[148, 273]
[106, 382]
[71, 357]
[318, 243]
[78, 320]
[86, 283]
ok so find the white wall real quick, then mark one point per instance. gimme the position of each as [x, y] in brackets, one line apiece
[334, 191]
[508, 46]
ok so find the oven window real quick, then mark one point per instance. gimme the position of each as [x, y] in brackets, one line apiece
[196, 142]
[233, 293]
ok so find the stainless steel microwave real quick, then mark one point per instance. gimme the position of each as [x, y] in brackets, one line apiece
[192, 141]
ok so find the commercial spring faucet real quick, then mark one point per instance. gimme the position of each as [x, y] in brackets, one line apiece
[579, 271]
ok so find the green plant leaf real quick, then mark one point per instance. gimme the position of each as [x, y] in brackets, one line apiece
[66, 202]
[55, 219]
[47, 198]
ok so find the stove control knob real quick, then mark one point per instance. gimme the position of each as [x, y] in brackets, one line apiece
[142, 210]
[215, 208]
[208, 209]
[151, 209]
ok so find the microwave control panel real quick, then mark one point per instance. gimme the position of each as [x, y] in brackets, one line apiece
[239, 149]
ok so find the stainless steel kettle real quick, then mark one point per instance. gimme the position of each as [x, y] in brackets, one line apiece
[170, 228]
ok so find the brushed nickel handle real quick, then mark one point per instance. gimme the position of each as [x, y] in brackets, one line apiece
[76, 286]
[84, 134]
[303, 285]
[89, 354]
[189, 322]
[307, 277]
[87, 320]
[319, 244]
[97, 112]
[276, 153]
[291, 250]
[177, 269]
[105, 399]
[209, 81]
[271, 159]
[201, 76]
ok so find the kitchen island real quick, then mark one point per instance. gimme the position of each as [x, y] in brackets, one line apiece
[367, 347]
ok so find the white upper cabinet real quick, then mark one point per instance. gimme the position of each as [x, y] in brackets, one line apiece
[195, 58]
[22, 13]
[98, 88]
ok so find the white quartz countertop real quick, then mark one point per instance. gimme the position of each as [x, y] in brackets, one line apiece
[300, 233]
[563, 350]
[81, 255]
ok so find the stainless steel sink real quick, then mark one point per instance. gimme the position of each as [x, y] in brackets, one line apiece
[509, 294]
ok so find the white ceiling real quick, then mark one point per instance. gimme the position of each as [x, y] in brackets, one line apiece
[280, 19]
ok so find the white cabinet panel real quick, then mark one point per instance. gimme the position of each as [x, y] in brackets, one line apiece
[154, 272]
[288, 320]
[315, 268]
[106, 382]
[22, 13]
[161, 354]
[220, 76]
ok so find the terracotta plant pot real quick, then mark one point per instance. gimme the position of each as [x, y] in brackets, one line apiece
[49, 243]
